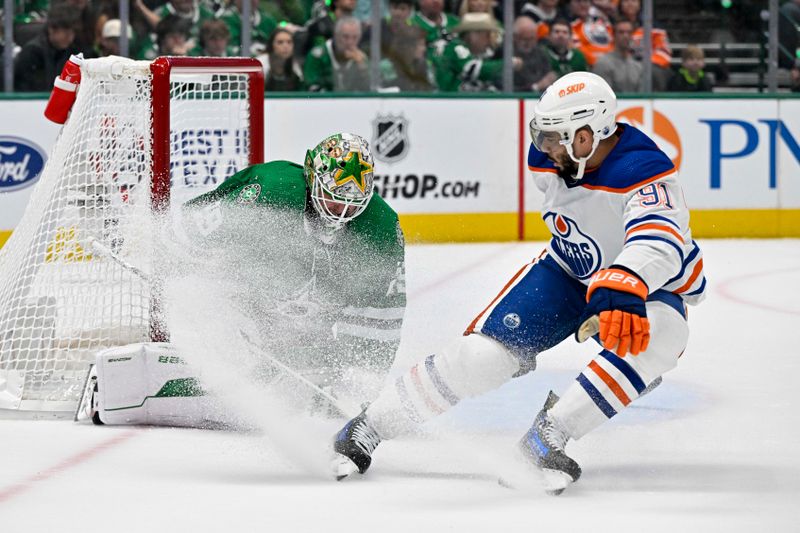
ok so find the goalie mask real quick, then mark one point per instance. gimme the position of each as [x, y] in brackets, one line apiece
[339, 174]
[574, 101]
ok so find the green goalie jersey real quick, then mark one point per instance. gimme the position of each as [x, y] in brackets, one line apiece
[325, 301]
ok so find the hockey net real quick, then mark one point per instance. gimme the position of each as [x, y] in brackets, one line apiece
[141, 137]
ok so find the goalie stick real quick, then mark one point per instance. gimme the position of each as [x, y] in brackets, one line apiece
[104, 251]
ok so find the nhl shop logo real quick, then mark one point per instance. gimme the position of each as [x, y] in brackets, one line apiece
[390, 138]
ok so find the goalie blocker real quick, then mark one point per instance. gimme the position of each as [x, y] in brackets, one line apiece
[146, 383]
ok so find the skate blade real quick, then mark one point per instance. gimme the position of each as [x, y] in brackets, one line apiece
[342, 467]
[555, 481]
[84, 410]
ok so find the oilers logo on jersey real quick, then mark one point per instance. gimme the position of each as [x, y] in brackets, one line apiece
[579, 251]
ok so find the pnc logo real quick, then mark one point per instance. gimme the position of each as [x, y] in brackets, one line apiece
[660, 129]
[571, 89]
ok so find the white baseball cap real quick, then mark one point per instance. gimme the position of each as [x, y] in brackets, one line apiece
[113, 28]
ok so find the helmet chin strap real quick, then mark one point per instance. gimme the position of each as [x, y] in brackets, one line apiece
[582, 160]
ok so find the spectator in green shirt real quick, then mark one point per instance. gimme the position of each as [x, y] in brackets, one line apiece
[339, 64]
[465, 63]
[691, 77]
[438, 24]
[563, 58]
[321, 28]
[192, 11]
[261, 26]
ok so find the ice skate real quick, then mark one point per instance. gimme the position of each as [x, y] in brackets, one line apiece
[354, 445]
[544, 445]
[87, 407]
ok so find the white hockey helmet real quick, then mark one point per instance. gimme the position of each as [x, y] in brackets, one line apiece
[576, 100]
[339, 174]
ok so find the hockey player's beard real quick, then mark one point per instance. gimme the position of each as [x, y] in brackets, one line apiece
[566, 167]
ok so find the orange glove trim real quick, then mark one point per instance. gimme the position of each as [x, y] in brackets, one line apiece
[618, 280]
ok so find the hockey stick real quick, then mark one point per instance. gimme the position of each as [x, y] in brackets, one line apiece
[258, 350]
[104, 251]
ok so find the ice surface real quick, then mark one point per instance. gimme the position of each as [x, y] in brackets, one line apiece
[714, 448]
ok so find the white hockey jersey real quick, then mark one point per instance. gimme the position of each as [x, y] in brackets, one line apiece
[629, 211]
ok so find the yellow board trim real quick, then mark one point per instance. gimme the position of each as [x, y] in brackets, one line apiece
[759, 223]
[459, 227]
[498, 227]
[4, 236]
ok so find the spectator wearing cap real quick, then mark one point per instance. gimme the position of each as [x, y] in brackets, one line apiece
[483, 6]
[619, 67]
[558, 47]
[535, 74]
[465, 64]
[108, 44]
[142, 44]
[339, 64]
[43, 58]
[261, 26]
[691, 77]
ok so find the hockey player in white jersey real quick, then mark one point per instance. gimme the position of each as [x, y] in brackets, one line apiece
[620, 267]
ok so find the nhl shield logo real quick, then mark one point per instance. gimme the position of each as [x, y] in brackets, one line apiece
[390, 137]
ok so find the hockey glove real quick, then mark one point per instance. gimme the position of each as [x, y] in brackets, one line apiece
[616, 310]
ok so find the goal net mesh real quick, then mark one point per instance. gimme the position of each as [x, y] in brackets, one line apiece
[60, 300]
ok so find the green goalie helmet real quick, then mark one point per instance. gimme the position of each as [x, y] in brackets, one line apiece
[339, 173]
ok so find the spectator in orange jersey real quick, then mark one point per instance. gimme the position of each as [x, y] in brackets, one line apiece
[661, 54]
[591, 32]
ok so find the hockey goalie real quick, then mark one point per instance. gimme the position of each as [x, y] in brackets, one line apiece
[308, 256]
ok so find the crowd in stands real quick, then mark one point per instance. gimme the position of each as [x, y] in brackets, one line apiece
[426, 45]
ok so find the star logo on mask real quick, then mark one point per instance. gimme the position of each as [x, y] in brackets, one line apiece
[354, 169]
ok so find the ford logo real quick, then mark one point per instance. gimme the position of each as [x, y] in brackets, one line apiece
[21, 162]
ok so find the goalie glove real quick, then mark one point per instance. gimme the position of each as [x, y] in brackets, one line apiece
[616, 310]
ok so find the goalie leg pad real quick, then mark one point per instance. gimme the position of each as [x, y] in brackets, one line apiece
[149, 383]
[470, 366]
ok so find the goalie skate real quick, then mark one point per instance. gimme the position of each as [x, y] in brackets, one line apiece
[87, 407]
[544, 444]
